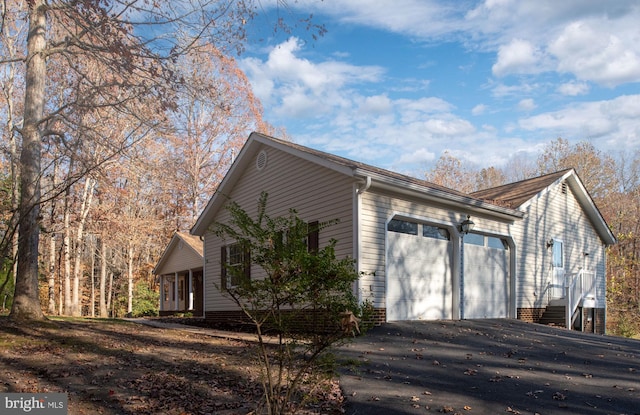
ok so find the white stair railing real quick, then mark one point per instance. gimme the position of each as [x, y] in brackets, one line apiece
[573, 292]
[579, 286]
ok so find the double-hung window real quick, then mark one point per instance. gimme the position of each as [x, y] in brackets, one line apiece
[236, 262]
[236, 265]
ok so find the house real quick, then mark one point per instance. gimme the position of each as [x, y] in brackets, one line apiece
[415, 258]
[180, 275]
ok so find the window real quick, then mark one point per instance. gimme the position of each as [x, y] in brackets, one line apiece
[166, 291]
[181, 289]
[236, 265]
[313, 237]
[497, 243]
[558, 254]
[435, 232]
[474, 239]
[488, 241]
[403, 226]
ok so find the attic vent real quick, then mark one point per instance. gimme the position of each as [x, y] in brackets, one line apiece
[261, 160]
[563, 188]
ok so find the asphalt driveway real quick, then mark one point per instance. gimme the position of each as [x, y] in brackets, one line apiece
[489, 367]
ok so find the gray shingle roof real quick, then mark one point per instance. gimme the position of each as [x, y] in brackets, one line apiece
[513, 195]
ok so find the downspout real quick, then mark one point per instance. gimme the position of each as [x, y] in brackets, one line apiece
[357, 223]
[606, 311]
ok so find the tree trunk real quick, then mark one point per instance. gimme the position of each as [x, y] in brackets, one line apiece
[68, 304]
[87, 197]
[130, 280]
[93, 279]
[52, 276]
[103, 279]
[110, 291]
[26, 301]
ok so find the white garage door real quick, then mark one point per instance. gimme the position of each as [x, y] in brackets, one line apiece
[418, 272]
[486, 277]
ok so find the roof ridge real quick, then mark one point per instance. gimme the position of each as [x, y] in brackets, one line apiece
[361, 165]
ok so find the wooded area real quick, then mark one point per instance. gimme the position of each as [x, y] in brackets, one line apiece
[115, 135]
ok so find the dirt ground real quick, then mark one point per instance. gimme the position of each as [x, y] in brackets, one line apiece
[116, 367]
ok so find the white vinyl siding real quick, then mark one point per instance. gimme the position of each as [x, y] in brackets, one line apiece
[315, 192]
[554, 214]
[180, 260]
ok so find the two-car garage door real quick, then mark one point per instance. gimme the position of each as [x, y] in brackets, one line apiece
[420, 273]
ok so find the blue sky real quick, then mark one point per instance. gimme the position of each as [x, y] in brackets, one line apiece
[397, 83]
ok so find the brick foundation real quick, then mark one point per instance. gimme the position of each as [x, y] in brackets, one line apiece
[530, 315]
[307, 321]
[596, 325]
[378, 317]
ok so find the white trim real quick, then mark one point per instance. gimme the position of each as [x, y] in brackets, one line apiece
[176, 299]
[190, 290]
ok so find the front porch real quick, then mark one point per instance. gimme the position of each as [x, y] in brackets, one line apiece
[182, 293]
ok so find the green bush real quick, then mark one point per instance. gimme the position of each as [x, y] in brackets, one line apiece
[145, 301]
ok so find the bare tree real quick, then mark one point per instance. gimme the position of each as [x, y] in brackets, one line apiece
[490, 177]
[217, 110]
[450, 172]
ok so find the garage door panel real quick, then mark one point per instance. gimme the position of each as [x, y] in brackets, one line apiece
[486, 282]
[419, 277]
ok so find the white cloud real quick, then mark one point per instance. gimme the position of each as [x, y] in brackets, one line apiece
[415, 18]
[573, 88]
[296, 87]
[518, 57]
[594, 40]
[420, 155]
[614, 119]
[527, 104]
[479, 109]
[591, 53]
[501, 90]
[376, 105]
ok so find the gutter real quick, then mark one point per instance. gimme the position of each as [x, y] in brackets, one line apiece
[442, 197]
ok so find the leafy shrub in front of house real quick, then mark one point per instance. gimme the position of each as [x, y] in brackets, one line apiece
[145, 301]
[301, 300]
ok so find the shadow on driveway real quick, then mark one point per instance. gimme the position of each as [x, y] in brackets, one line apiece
[489, 367]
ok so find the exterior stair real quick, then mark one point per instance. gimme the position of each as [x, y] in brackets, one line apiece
[553, 316]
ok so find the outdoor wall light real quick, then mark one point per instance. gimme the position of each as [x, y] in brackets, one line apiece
[467, 225]
[550, 243]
